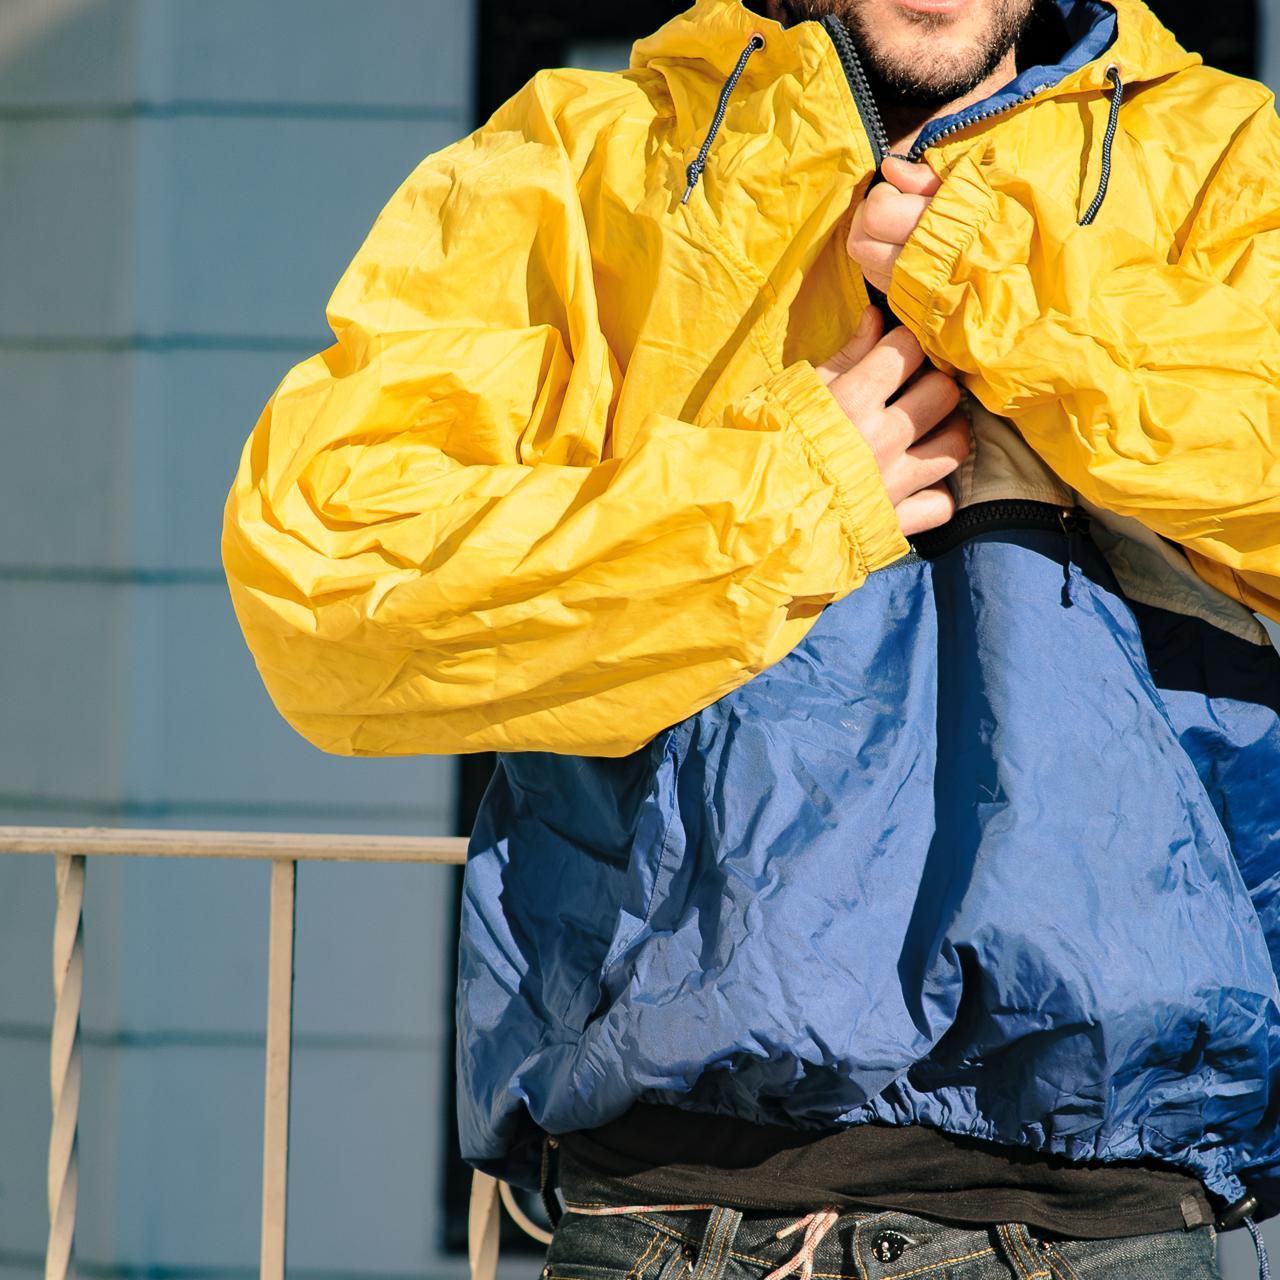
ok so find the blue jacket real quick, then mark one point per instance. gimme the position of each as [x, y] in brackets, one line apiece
[919, 871]
[995, 848]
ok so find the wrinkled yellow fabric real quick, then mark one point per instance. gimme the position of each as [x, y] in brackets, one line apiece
[567, 473]
[1147, 377]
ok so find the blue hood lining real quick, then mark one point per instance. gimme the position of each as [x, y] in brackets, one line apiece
[1091, 28]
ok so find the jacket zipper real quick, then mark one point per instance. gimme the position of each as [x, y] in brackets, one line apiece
[981, 517]
[872, 126]
[1003, 513]
[872, 122]
[918, 147]
[858, 86]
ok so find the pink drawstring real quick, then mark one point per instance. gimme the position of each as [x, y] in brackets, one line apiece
[603, 1211]
[816, 1225]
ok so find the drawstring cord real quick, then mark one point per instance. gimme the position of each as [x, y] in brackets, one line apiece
[608, 1210]
[1260, 1248]
[1117, 93]
[815, 1226]
[694, 172]
[1242, 1211]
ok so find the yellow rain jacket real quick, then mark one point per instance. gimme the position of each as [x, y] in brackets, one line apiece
[567, 474]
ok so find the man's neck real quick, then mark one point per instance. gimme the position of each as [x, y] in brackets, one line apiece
[903, 122]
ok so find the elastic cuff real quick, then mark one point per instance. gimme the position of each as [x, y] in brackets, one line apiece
[837, 451]
[956, 214]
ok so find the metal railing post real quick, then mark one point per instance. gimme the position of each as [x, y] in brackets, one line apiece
[64, 1063]
[275, 1142]
[70, 846]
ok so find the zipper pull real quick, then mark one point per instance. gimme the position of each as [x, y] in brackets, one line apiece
[1074, 522]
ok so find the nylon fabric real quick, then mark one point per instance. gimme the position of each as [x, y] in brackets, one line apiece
[567, 475]
[791, 824]
[876, 884]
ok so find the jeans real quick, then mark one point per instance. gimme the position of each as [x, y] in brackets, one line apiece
[592, 1241]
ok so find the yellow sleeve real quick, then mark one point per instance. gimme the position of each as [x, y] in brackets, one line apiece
[1150, 385]
[429, 542]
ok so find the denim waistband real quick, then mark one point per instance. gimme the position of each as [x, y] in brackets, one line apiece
[605, 1213]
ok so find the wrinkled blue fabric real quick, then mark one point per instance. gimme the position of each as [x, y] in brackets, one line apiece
[964, 857]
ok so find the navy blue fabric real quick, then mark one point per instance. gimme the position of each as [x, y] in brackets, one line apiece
[1091, 29]
[958, 859]
[1223, 699]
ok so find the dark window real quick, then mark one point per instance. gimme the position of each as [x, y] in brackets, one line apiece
[1224, 33]
[517, 39]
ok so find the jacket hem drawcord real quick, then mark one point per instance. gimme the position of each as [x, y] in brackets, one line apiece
[816, 1225]
[1241, 1212]
[1260, 1248]
[1072, 521]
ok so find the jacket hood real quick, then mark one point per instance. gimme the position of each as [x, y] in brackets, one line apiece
[706, 42]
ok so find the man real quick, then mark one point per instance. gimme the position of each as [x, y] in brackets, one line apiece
[885, 843]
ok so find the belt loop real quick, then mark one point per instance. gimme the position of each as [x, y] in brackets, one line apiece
[547, 1180]
[1020, 1250]
[713, 1256]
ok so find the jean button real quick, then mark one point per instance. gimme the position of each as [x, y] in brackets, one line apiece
[888, 1245]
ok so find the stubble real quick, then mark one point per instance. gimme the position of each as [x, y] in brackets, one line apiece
[928, 71]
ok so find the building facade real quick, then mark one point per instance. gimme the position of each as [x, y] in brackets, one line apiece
[181, 183]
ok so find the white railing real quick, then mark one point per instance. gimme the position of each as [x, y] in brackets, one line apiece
[71, 847]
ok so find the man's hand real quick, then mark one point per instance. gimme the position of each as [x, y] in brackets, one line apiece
[887, 216]
[913, 457]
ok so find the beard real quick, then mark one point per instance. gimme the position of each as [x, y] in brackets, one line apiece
[927, 75]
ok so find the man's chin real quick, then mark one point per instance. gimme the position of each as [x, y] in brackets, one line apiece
[916, 86]
[930, 57]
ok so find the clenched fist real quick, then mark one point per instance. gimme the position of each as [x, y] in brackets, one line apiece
[888, 216]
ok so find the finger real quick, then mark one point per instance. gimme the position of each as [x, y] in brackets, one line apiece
[907, 475]
[871, 382]
[868, 333]
[916, 178]
[875, 260]
[926, 509]
[923, 405]
[891, 216]
[953, 438]
[857, 230]
[937, 456]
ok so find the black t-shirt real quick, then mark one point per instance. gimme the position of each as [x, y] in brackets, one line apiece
[669, 1155]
